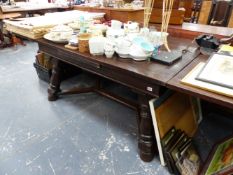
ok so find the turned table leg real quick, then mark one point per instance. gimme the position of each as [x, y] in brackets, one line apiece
[146, 141]
[55, 81]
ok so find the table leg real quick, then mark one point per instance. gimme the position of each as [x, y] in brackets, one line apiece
[55, 81]
[146, 141]
[1, 34]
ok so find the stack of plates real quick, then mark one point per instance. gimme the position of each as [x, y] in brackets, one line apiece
[48, 37]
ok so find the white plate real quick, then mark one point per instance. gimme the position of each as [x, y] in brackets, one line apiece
[122, 55]
[46, 36]
[139, 58]
[141, 55]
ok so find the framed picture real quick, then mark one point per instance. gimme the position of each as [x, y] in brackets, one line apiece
[196, 106]
[189, 161]
[220, 160]
[218, 70]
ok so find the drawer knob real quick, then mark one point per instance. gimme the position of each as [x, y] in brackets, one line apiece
[150, 89]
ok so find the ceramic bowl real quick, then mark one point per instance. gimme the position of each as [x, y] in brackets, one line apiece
[137, 53]
[147, 47]
[138, 40]
[124, 54]
[123, 45]
[109, 54]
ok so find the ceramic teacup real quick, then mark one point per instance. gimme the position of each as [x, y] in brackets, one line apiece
[123, 45]
[116, 24]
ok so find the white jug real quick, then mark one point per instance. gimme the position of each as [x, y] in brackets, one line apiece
[96, 45]
[116, 25]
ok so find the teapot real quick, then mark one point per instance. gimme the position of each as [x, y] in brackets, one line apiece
[131, 27]
[116, 25]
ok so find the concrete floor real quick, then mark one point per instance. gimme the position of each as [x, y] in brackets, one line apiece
[76, 135]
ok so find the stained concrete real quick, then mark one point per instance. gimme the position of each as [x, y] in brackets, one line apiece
[82, 134]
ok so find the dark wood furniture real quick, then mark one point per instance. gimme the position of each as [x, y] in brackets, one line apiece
[187, 5]
[191, 30]
[159, 4]
[177, 15]
[204, 11]
[123, 15]
[196, 11]
[3, 17]
[220, 12]
[147, 79]
[175, 84]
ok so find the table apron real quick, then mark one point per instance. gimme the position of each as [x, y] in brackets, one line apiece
[118, 75]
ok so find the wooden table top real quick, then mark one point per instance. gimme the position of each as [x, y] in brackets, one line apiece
[175, 84]
[147, 70]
